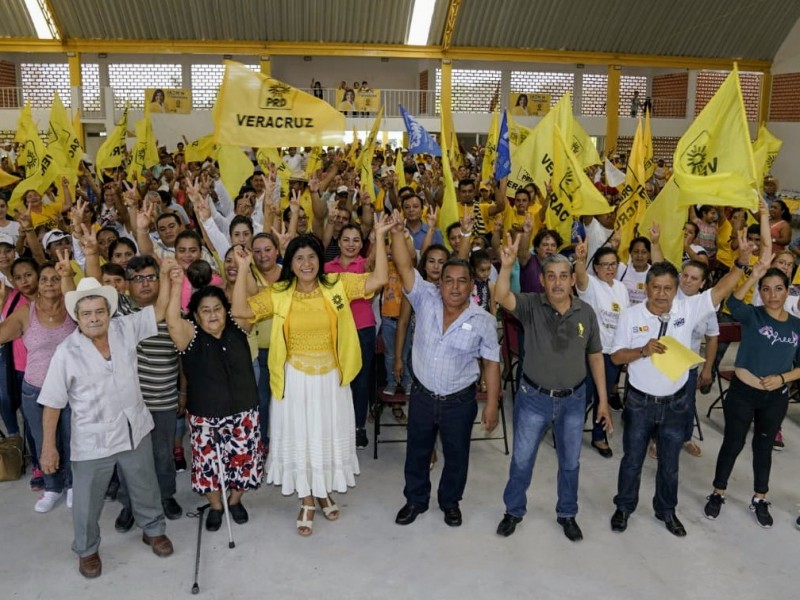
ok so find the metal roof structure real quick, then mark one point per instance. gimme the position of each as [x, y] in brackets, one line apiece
[699, 32]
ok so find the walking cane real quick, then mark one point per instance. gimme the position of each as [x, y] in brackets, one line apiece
[224, 491]
[200, 511]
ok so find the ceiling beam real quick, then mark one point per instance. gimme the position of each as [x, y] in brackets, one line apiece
[50, 15]
[450, 24]
[221, 47]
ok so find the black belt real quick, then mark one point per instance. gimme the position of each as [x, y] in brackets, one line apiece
[660, 399]
[552, 393]
[445, 397]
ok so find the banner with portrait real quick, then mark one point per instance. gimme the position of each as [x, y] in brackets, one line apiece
[528, 104]
[168, 100]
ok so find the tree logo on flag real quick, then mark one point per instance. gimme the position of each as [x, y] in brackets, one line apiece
[276, 95]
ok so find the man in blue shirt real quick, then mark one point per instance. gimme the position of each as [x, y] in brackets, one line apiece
[412, 211]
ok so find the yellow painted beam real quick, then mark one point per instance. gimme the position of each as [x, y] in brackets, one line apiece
[259, 48]
[446, 98]
[266, 66]
[450, 23]
[612, 108]
[76, 81]
[765, 98]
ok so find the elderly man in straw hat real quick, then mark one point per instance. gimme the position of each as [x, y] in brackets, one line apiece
[94, 370]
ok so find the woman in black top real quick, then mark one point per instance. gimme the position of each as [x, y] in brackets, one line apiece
[222, 398]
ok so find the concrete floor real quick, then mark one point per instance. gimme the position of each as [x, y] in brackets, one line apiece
[365, 555]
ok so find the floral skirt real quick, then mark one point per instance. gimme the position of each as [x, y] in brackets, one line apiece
[238, 438]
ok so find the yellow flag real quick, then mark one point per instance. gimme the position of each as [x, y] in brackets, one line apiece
[314, 162]
[7, 178]
[490, 151]
[112, 152]
[234, 168]
[455, 152]
[373, 133]
[38, 179]
[516, 133]
[578, 141]
[61, 132]
[670, 216]
[267, 156]
[633, 197]
[573, 194]
[647, 143]
[32, 151]
[201, 149]
[765, 151]
[258, 111]
[145, 153]
[365, 159]
[713, 162]
[448, 212]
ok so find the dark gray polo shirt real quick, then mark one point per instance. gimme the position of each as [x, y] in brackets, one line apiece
[556, 345]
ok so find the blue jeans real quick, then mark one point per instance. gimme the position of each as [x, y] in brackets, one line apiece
[612, 372]
[534, 412]
[264, 394]
[8, 411]
[666, 423]
[61, 479]
[452, 419]
[360, 385]
[389, 333]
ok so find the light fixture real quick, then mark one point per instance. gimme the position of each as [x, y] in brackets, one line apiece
[421, 19]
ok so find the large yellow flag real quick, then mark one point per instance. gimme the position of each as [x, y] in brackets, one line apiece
[633, 197]
[647, 147]
[670, 216]
[365, 158]
[38, 179]
[234, 168]
[201, 149]
[573, 193]
[765, 151]
[32, 150]
[258, 111]
[145, 153]
[7, 178]
[575, 135]
[490, 151]
[516, 133]
[61, 132]
[713, 162]
[112, 152]
[448, 212]
[314, 162]
[264, 157]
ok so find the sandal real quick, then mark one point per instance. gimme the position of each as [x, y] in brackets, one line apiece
[399, 415]
[329, 510]
[304, 524]
[652, 451]
[692, 448]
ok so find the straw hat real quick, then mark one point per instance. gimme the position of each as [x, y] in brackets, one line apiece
[89, 286]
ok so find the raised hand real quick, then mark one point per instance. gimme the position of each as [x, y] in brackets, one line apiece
[508, 253]
[746, 249]
[144, 216]
[383, 224]
[242, 256]
[527, 224]
[432, 216]
[399, 225]
[88, 240]
[581, 249]
[313, 184]
[284, 237]
[655, 232]
[64, 266]
[467, 223]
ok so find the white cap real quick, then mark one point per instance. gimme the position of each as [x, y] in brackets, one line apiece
[342, 189]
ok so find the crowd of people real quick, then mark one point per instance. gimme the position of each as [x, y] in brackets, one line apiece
[130, 310]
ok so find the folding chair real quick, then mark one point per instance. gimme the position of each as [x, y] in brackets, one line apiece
[728, 333]
[381, 400]
[511, 351]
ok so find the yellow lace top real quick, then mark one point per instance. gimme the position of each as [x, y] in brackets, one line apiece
[309, 343]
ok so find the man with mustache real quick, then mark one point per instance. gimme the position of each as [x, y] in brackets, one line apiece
[560, 332]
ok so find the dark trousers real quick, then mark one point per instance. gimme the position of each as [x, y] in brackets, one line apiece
[666, 423]
[743, 406]
[360, 385]
[612, 373]
[451, 419]
[264, 393]
[162, 437]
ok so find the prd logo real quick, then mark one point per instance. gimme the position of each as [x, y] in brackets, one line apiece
[276, 95]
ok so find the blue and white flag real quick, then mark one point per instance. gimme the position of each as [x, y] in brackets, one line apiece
[419, 140]
[502, 165]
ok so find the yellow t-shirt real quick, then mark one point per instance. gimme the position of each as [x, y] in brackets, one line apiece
[483, 207]
[48, 217]
[512, 218]
[725, 254]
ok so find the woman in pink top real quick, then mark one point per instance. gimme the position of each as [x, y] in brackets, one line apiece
[350, 261]
[43, 325]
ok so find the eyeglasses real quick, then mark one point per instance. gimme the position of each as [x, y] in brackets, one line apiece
[607, 265]
[143, 278]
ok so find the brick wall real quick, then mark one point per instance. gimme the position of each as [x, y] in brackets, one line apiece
[669, 94]
[663, 147]
[785, 101]
[708, 83]
[423, 87]
[8, 79]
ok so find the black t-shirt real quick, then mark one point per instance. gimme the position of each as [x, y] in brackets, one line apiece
[219, 372]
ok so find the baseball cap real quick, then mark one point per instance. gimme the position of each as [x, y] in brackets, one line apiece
[342, 189]
[53, 236]
[6, 239]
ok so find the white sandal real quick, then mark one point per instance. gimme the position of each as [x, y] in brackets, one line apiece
[304, 524]
[329, 511]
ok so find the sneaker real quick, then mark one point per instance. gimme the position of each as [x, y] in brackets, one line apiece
[37, 480]
[362, 441]
[390, 390]
[180, 460]
[778, 444]
[761, 508]
[714, 505]
[47, 501]
[69, 498]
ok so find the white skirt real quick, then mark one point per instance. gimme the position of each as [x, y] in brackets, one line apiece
[312, 447]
